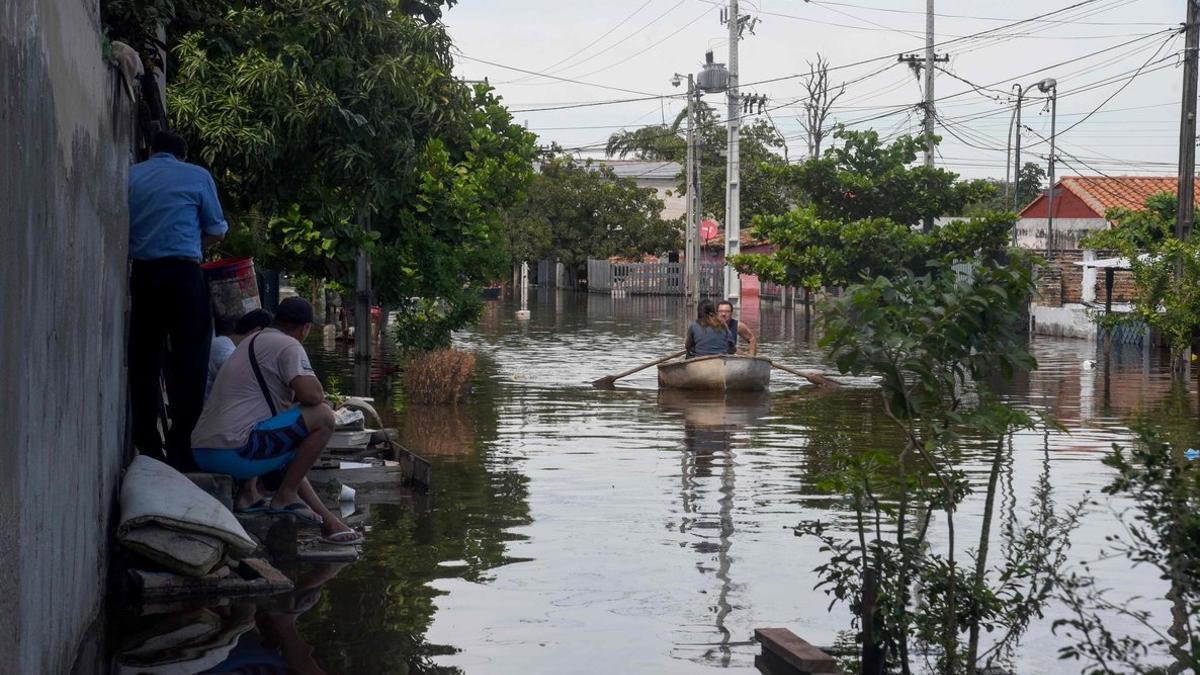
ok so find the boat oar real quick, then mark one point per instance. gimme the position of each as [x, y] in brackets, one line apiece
[810, 375]
[608, 380]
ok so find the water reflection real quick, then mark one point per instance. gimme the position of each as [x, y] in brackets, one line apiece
[229, 637]
[575, 530]
[711, 420]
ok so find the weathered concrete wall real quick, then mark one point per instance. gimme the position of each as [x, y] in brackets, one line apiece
[63, 160]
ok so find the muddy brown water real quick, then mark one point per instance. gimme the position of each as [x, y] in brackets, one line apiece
[571, 530]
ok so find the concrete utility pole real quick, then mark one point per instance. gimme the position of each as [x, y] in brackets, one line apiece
[692, 246]
[362, 316]
[1187, 126]
[1016, 180]
[929, 63]
[1050, 86]
[930, 60]
[733, 283]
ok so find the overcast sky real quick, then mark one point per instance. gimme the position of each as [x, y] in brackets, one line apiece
[622, 49]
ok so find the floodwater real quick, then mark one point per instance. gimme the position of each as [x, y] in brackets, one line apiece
[573, 530]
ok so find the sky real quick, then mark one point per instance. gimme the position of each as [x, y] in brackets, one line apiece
[1117, 63]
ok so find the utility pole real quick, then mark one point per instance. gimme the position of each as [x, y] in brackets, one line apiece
[733, 283]
[1187, 127]
[930, 69]
[1016, 180]
[362, 315]
[1186, 209]
[1048, 85]
[692, 260]
[698, 203]
[929, 64]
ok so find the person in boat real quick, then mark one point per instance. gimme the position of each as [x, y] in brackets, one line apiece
[229, 335]
[735, 329]
[268, 412]
[707, 335]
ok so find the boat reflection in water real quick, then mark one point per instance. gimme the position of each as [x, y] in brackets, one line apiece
[711, 423]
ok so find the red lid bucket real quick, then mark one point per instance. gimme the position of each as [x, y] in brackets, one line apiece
[232, 286]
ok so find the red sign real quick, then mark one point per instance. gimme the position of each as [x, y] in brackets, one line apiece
[708, 229]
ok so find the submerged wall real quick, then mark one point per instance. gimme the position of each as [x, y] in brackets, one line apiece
[64, 137]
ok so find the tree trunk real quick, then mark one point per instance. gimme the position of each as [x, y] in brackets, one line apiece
[981, 559]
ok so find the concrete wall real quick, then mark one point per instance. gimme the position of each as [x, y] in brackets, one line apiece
[1031, 232]
[1070, 320]
[63, 158]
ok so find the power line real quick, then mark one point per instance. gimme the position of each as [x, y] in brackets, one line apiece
[592, 104]
[589, 45]
[627, 37]
[555, 77]
[1118, 91]
[652, 46]
[988, 18]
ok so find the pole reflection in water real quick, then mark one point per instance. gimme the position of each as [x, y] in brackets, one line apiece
[710, 422]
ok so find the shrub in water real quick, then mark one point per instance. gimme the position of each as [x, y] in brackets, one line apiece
[438, 377]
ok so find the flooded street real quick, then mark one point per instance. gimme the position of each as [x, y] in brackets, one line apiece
[576, 530]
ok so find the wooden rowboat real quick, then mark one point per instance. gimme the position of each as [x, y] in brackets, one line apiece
[720, 372]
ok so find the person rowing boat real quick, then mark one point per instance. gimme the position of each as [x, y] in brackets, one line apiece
[735, 329]
[707, 335]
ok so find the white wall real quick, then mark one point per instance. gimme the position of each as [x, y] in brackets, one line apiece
[1031, 232]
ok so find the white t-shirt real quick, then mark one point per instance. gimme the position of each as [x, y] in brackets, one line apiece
[222, 348]
[236, 403]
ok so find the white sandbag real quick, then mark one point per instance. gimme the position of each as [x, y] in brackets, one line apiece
[186, 553]
[154, 493]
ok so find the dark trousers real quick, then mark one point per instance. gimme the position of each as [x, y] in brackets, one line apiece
[170, 335]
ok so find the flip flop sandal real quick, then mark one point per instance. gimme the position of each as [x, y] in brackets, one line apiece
[344, 538]
[297, 510]
[259, 506]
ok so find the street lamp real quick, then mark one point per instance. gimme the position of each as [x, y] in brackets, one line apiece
[1046, 85]
[1050, 86]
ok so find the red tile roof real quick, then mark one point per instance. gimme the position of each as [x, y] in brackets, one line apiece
[745, 238]
[1102, 193]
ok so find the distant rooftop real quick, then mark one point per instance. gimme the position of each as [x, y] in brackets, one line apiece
[637, 168]
[1101, 193]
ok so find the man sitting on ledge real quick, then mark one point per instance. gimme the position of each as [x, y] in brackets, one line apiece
[267, 411]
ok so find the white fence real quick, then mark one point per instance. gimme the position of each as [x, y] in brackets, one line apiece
[663, 278]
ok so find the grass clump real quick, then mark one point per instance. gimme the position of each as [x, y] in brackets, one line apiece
[439, 377]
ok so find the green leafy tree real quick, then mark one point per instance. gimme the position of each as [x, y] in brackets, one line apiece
[933, 340]
[860, 206]
[1159, 530]
[1166, 271]
[1136, 230]
[579, 210]
[1030, 184]
[762, 193]
[317, 116]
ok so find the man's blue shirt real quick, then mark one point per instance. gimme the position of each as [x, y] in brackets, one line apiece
[170, 204]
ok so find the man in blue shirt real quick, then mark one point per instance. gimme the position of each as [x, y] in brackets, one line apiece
[173, 215]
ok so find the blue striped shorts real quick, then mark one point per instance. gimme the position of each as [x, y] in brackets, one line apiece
[272, 445]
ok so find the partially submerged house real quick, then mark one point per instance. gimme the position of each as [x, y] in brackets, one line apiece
[1076, 282]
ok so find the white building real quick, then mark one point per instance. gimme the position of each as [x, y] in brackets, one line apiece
[664, 177]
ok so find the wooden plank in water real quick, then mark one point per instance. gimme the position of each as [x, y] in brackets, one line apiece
[798, 655]
[243, 577]
[416, 469]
